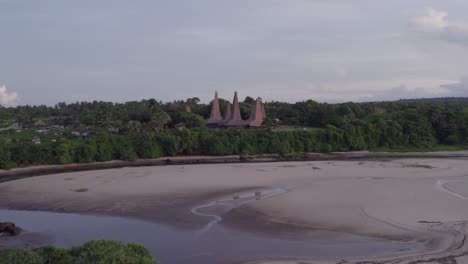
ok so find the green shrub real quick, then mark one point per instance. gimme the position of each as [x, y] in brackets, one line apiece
[21, 256]
[51, 255]
[92, 252]
[107, 252]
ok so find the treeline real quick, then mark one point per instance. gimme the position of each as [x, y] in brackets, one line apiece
[205, 141]
[447, 118]
[170, 142]
[150, 129]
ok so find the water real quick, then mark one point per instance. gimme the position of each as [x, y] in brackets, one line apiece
[175, 246]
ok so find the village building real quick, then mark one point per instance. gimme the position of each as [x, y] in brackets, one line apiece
[40, 123]
[232, 116]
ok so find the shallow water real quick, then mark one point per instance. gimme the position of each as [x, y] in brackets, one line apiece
[173, 246]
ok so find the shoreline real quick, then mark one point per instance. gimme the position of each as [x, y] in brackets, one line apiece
[38, 170]
[439, 248]
[392, 199]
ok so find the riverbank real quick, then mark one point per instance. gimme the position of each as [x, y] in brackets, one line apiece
[405, 199]
[17, 173]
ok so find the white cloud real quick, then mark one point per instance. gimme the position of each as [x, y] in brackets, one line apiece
[437, 24]
[7, 98]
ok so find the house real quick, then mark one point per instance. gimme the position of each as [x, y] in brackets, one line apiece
[40, 123]
[232, 116]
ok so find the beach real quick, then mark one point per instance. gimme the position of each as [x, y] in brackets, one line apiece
[411, 199]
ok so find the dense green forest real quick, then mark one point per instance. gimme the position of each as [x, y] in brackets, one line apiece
[97, 251]
[102, 131]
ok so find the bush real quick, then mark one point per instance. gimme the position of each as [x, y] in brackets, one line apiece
[92, 252]
[51, 255]
[21, 256]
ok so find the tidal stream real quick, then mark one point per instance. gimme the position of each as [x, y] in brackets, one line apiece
[214, 244]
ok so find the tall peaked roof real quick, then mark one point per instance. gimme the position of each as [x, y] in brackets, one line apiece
[228, 112]
[236, 115]
[257, 114]
[236, 118]
[215, 115]
[232, 115]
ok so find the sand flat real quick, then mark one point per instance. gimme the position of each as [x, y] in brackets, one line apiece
[396, 199]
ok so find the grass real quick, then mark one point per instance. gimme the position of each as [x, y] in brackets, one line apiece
[414, 149]
[420, 166]
[81, 190]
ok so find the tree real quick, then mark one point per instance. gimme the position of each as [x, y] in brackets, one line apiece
[159, 120]
[85, 153]
[134, 126]
[64, 153]
[146, 147]
[249, 100]
[103, 148]
[123, 148]
[193, 101]
[5, 159]
[192, 120]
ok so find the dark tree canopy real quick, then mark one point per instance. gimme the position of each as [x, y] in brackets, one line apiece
[101, 131]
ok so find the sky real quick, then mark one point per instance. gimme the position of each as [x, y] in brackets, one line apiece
[284, 50]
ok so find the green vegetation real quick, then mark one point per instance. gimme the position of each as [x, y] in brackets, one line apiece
[293, 128]
[419, 166]
[93, 252]
[101, 131]
[415, 149]
[81, 190]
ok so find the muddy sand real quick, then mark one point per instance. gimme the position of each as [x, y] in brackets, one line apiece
[405, 199]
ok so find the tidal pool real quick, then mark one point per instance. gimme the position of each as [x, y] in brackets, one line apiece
[169, 245]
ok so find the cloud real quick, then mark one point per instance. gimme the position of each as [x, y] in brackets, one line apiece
[400, 92]
[458, 89]
[455, 89]
[432, 20]
[437, 24]
[7, 98]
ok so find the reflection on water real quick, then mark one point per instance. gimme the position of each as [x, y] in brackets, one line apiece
[172, 246]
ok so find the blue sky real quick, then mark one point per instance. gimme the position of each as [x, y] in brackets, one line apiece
[285, 50]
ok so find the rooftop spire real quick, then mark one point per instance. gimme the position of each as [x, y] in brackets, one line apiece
[227, 113]
[236, 115]
[215, 115]
[236, 118]
[257, 114]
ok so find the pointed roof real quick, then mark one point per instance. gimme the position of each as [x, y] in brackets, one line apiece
[228, 112]
[236, 115]
[257, 114]
[215, 115]
[236, 118]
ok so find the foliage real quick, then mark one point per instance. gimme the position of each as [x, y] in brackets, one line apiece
[92, 252]
[21, 256]
[102, 131]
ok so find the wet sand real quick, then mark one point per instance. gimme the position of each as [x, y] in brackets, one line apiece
[397, 200]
